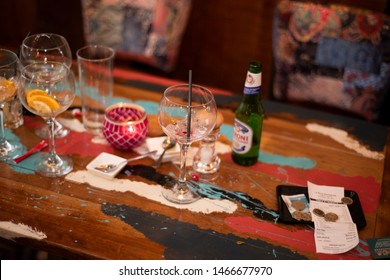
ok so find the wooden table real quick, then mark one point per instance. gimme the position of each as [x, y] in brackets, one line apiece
[82, 221]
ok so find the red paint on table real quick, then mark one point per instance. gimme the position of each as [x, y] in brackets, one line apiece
[367, 188]
[302, 239]
[80, 143]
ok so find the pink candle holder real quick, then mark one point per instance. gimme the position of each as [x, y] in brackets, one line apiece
[125, 125]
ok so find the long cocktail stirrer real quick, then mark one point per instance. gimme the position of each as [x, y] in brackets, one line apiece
[189, 105]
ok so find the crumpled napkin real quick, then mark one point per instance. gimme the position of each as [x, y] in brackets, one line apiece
[173, 154]
[155, 143]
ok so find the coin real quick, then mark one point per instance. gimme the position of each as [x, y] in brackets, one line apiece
[298, 205]
[331, 217]
[306, 216]
[297, 215]
[301, 216]
[318, 212]
[347, 200]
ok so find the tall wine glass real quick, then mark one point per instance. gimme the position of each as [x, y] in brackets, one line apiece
[48, 89]
[45, 47]
[9, 76]
[186, 113]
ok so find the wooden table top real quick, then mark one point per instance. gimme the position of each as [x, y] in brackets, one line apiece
[237, 218]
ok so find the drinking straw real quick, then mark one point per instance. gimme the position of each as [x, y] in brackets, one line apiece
[189, 105]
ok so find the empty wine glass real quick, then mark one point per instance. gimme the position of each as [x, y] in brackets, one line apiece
[48, 89]
[186, 113]
[9, 76]
[45, 47]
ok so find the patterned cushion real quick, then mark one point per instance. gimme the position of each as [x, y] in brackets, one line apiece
[148, 31]
[334, 55]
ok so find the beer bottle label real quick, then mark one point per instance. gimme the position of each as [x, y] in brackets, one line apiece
[252, 83]
[242, 137]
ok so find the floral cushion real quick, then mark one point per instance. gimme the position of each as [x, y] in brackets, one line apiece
[149, 31]
[334, 55]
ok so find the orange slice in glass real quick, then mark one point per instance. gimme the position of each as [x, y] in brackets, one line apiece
[34, 92]
[43, 103]
[7, 88]
[40, 107]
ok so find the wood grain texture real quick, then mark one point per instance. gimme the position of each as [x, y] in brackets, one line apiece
[85, 222]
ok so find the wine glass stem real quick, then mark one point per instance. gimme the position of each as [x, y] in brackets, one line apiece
[52, 146]
[183, 157]
[2, 132]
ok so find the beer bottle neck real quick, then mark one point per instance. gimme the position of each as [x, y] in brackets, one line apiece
[252, 83]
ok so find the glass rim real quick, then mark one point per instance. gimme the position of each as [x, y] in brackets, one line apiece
[110, 53]
[62, 38]
[184, 85]
[13, 58]
[127, 105]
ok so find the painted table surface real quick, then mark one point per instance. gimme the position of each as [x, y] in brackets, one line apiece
[237, 218]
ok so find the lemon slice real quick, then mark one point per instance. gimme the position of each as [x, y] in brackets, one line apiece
[43, 103]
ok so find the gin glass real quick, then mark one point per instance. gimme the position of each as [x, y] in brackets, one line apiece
[206, 161]
[9, 76]
[44, 47]
[186, 113]
[48, 89]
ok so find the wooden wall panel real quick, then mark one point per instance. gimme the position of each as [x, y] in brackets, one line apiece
[222, 37]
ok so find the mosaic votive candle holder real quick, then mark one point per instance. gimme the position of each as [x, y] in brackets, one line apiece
[125, 125]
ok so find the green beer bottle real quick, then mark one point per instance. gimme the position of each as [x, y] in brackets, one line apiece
[248, 121]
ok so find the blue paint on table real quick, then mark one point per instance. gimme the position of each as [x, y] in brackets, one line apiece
[187, 241]
[297, 162]
[207, 190]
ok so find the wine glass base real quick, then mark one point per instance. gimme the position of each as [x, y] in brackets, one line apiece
[43, 132]
[179, 195]
[46, 168]
[10, 150]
